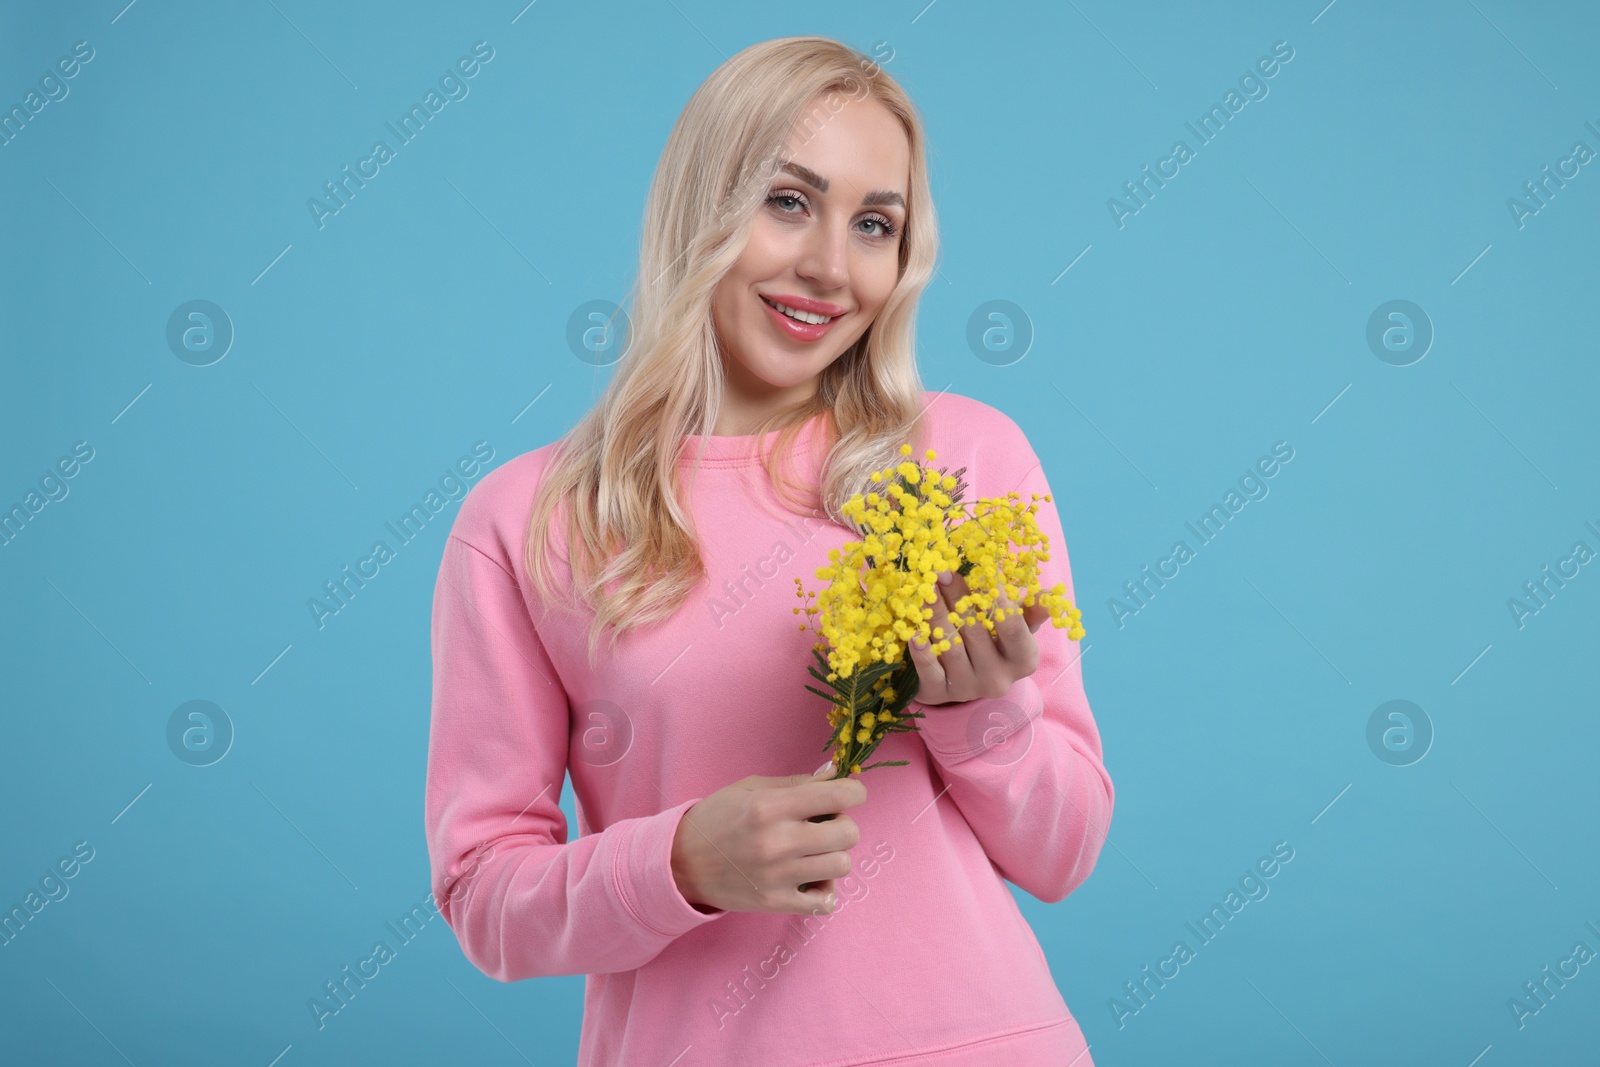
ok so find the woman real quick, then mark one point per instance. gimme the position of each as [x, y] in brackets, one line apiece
[720, 914]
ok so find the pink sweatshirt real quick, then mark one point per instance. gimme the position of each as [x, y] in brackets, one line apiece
[926, 957]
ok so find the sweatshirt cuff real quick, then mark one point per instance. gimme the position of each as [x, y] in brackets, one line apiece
[996, 729]
[645, 881]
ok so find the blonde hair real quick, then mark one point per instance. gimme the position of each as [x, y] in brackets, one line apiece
[631, 540]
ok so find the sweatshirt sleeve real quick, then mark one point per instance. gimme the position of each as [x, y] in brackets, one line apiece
[524, 902]
[1026, 769]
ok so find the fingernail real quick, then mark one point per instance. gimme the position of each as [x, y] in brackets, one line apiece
[944, 577]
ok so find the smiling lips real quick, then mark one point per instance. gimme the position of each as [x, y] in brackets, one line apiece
[802, 319]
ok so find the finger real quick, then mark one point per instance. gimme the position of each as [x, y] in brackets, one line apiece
[953, 664]
[821, 774]
[969, 623]
[824, 797]
[976, 655]
[768, 781]
[823, 869]
[839, 834]
[1012, 633]
[940, 626]
[816, 898]
[931, 681]
[1035, 614]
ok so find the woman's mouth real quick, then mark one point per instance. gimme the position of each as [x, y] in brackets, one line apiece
[800, 325]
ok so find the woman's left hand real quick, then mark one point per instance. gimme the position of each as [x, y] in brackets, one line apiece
[983, 665]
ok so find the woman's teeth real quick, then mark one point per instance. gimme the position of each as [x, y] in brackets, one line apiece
[801, 316]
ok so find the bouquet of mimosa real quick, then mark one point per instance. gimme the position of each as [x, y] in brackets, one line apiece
[881, 588]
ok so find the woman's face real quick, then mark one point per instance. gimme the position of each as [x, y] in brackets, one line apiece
[825, 243]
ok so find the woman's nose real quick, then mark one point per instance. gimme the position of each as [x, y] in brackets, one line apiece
[825, 259]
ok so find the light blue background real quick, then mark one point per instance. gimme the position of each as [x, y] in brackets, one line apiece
[1230, 313]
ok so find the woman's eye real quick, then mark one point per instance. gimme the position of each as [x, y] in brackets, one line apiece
[886, 228]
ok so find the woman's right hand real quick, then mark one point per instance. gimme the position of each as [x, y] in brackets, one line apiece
[751, 846]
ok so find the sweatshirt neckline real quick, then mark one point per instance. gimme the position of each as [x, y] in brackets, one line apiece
[744, 450]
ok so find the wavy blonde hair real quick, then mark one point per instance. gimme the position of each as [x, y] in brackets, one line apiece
[631, 540]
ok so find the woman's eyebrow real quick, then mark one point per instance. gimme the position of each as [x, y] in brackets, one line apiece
[820, 184]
